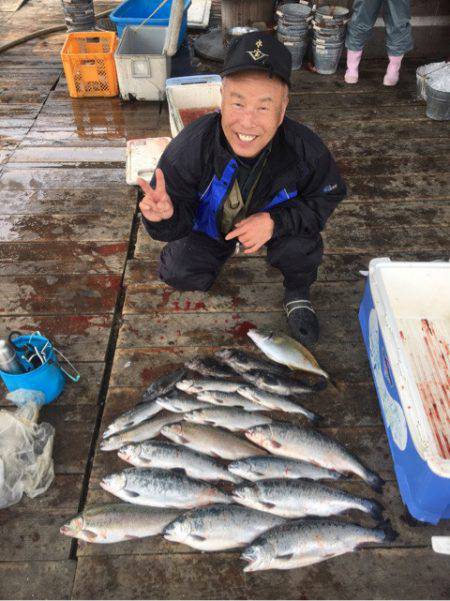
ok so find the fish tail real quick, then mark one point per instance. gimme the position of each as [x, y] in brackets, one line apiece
[374, 480]
[374, 508]
[314, 418]
[389, 534]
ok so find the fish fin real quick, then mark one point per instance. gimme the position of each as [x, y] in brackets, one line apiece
[286, 556]
[215, 455]
[375, 481]
[268, 504]
[91, 536]
[131, 494]
[131, 537]
[275, 444]
[259, 473]
[182, 439]
[198, 537]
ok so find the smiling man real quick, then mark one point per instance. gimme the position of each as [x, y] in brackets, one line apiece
[250, 175]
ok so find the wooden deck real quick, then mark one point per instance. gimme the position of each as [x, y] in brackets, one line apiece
[76, 265]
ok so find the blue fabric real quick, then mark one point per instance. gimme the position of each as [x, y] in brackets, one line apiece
[212, 198]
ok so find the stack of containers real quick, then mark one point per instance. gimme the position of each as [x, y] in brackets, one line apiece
[292, 30]
[329, 28]
[79, 14]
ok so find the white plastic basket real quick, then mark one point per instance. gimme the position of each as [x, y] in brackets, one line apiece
[199, 93]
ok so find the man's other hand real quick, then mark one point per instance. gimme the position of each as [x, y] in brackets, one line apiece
[253, 232]
[156, 204]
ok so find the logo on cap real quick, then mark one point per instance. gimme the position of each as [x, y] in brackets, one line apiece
[257, 54]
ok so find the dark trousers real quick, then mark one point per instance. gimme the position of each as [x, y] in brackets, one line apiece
[194, 262]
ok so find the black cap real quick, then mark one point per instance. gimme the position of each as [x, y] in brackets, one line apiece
[260, 51]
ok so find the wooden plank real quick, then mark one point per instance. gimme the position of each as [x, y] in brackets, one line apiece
[20, 177]
[398, 187]
[388, 130]
[356, 147]
[225, 297]
[59, 294]
[43, 154]
[67, 200]
[37, 579]
[374, 114]
[10, 137]
[24, 258]
[385, 166]
[79, 337]
[78, 228]
[256, 270]
[392, 574]
[299, 100]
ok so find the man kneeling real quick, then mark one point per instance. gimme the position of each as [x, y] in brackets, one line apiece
[246, 174]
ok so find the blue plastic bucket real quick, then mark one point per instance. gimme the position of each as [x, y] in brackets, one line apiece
[48, 378]
[134, 12]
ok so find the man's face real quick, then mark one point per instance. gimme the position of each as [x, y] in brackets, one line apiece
[253, 107]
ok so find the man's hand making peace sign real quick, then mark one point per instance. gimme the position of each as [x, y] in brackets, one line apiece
[156, 204]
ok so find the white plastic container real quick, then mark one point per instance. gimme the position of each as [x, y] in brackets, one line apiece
[142, 157]
[405, 320]
[197, 95]
[142, 69]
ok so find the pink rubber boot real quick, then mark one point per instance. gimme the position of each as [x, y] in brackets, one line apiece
[393, 71]
[353, 58]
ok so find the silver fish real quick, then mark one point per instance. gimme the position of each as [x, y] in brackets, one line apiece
[276, 402]
[162, 454]
[241, 361]
[212, 441]
[194, 386]
[304, 542]
[275, 384]
[287, 351]
[210, 367]
[300, 498]
[116, 522]
[144, 431]
[306, 444]
[228, 399]
[132, 418]
[161, 488]
[230, 418]
[180, 403]
[162, 385]
[220, 527]
[262, 468]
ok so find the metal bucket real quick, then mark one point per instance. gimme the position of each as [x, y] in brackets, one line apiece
[297, 48]
[236, 32]
[426, 72]
[326, 57]
[438, 103]
[293, 20]
[79, 14]
[331, 13]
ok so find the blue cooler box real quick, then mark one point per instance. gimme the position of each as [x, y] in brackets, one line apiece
[134, 12]
[405, 321]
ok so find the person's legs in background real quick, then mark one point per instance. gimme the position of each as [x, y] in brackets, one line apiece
[359, 29]
[397, 17]
[298, 258]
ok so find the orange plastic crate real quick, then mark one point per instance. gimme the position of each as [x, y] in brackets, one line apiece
[88, 60]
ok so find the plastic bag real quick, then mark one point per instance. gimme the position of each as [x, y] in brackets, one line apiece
[26, 463]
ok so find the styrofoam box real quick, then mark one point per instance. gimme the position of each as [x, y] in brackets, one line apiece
[405, 320]
[192, 92]
[143, 155]
[141, 67]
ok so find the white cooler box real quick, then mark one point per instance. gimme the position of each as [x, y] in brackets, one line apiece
[191, 97]
[405, 320]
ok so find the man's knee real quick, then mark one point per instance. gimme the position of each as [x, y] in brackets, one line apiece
[291, 250]
[181, 279]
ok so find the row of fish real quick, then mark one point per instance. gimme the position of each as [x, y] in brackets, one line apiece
[270, 491]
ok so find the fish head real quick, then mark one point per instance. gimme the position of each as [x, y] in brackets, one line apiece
[260, 336]
[257, 556]
[239, 468]
[205, 395]
[178, 531]
[173, 432]
[114, 482]
[245, 494]
[109, 444]
[193, 416]
[246, 392]
[129, 452]
[225, 353]
[184, 384]
[257, 434]
[73, 527]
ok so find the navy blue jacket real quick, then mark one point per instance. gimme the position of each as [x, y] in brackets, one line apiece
[300, 185]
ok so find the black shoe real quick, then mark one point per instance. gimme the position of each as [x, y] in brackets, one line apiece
[302, 318]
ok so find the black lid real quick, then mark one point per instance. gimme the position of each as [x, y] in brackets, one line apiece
[260, 51]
